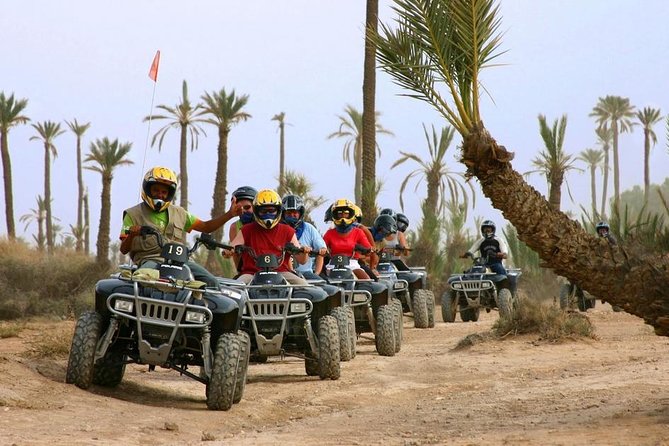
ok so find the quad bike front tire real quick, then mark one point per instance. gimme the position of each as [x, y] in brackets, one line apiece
[420, 309]
[108, 371]
[328, 348]
[430, 308]
[449, 306]
[224, 378]
[385, 330]
[505, 303]
[80, 367]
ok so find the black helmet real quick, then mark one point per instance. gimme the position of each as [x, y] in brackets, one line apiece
[293, 203]
[488, 224]
[387, 211]
[602, 225]
[328, 214]
[402, 222]
[245, 193]
[385, 225]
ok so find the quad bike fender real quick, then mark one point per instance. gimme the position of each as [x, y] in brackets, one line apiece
[106, 287]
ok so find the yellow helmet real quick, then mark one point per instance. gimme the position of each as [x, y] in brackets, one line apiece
[343, 212]
[161, 175]
[267, 208]
[358, 213]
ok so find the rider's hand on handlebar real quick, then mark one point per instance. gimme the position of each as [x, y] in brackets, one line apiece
[227, 253]
[464, 256]
[322, 251]
[500, 255]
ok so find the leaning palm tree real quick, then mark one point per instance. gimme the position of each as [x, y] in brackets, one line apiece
[434, 169]
[648, 117]
[553, 162]
[616, 113]
[37, 215]
[350, 128]
[105, 156]
[368, 167]
[604, 139]
[79, 130]
[593, 158]
[47, 131]
[10, 116]
[281, 119]
[185, 117]
[298, 184]
[436, 51]
[225, 111]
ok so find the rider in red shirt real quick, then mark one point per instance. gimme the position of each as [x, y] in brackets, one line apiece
[341, 239]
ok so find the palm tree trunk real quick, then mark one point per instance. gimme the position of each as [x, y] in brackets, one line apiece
[105, 217]
[9, 195]
[593, 190]
[183, 166]
[646, 167]
[87, 225]
[555, 193]
[432, 199]
[40, 233]
[282, 159]
[616, 168]
[80, 197]
[358, 170]
[47, 197]
[220, 193]
[605, 181]
[368, 179]
[606, 271]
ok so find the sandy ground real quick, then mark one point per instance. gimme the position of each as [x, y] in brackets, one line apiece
[515, 391]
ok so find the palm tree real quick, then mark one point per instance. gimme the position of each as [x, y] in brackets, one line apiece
[226, 110]
[185, 117]
[553, 162]
[616, 113]
[10, 116]
[648, 117]
[367, 204]
[593, 158]
[87, 225]
[281, 119]
[298, 184]
[604, 139]
[37, 215]
[105, 156]
[437, 51]
[79, 130]
[435, 171]
[350, 127]
[47, 131]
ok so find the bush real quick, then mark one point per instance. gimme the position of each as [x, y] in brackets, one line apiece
[33, 283]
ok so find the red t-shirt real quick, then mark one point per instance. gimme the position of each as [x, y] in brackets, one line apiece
[266, 241]
[343, 244]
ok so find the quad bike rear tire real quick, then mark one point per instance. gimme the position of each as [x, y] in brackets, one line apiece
[385, 330]
[505, 303]
[108, 371]
[80, 367]
[399, 324]
[224, 378]
[449, 306]
[328, 348]
[243, 367]
[420, 309]
[430, 308]
[341, 315]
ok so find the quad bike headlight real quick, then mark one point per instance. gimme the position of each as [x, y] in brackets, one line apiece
[195, 317]
[298, 307]
[398, 286]
[456, 286]
[486, 285]
[359, 297]
[124, 305]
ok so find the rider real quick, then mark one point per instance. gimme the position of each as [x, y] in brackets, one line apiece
[491, 248]
[244, 196]
[341, 239]
[267, 236]
[603, 230]
[173, 222]
[402, 225]
[307, 235]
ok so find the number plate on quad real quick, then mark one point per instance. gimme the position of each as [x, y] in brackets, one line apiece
[174, 253]
[269, 261]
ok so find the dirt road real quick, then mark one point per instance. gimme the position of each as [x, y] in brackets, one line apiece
[611, 391]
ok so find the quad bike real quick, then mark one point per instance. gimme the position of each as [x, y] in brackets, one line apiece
[479, 287]
[163, 317]
[284, 319]
[408, 287]
[374, 309]
[572, 296]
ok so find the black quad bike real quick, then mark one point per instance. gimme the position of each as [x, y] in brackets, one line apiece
[479, 287]
[162, 317]
[373, 307]
[572, 296]
[409, 288]
[295, 320]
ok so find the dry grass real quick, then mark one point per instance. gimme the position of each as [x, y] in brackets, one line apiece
[53, 343]
[11, 329]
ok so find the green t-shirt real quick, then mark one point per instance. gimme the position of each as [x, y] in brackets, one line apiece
[160, 219]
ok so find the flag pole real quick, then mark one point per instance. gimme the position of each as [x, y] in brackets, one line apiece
[153, 75]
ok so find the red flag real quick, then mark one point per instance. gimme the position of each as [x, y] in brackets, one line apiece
[153, 72]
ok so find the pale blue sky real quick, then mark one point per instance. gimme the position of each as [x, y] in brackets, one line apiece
[89, 60]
